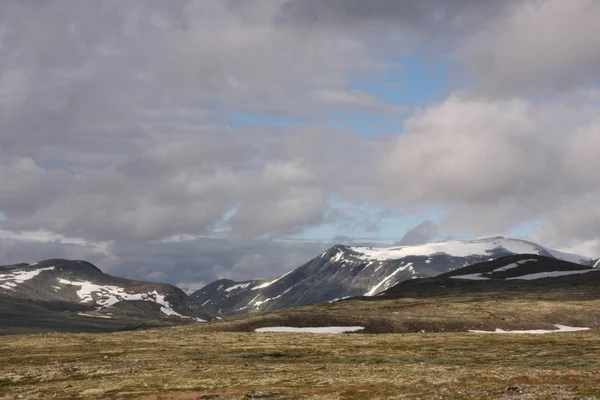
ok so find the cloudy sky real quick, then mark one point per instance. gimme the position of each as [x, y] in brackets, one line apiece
[185, 141]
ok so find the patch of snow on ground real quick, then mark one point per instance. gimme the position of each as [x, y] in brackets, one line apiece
[94, 316]
[339, 299]
[514, 265]
[560, 328]
[471, 277]
[12, 279]
[327, 329]
[551, 274]
[386, 280]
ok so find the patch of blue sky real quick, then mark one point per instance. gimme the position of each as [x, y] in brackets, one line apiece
[57, 165]
[257, 119]
[409, 81]
[525, 229]
[368, 223]
[367, 124]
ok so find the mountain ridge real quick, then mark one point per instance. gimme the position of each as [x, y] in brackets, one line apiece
[350, 271]
[77, 294]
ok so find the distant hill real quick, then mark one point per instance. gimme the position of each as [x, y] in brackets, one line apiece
[511, 275]
[64, 295]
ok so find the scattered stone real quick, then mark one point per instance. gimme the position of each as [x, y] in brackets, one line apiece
[514, 388]
[65, 369]
[247, 364]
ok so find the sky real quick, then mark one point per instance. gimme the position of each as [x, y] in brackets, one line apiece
[187, 141]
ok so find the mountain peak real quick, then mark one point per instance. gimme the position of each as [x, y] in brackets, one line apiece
[342, 271]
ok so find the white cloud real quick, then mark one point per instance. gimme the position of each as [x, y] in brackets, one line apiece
[496, 163]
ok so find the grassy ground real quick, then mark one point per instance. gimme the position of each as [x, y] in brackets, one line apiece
[411, 315]
[226, 360]
[183, 363]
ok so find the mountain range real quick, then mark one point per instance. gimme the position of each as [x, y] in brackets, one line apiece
[525, 292]
[344, 271]
[63, 295]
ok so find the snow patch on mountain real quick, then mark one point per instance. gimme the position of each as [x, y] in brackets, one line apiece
[239, 286]
[471, 277]
[514, 265]
[258, 303]
[12, 279]
[266, 284]
[551, 274]
[386, 280]
[338, 256]
[106, 296]
[457, 248]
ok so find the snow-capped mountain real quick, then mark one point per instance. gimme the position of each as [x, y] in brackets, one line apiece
[344, 271]
[76, 294]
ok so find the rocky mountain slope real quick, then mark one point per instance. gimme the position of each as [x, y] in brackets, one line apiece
[517, 292]
[344, 271]
[594, 263]
[63, 295]
[511, 275]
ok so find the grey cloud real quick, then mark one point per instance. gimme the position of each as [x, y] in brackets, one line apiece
[188, 263]
[576, 222]
[205, 260]
[120, 122]
[125, 115]
[422, 233]
[19, 250]
[523, 52]
[424, 15]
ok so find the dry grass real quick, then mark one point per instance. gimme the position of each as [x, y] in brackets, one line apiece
[212, 361]
[411, 315]
[180, 363]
